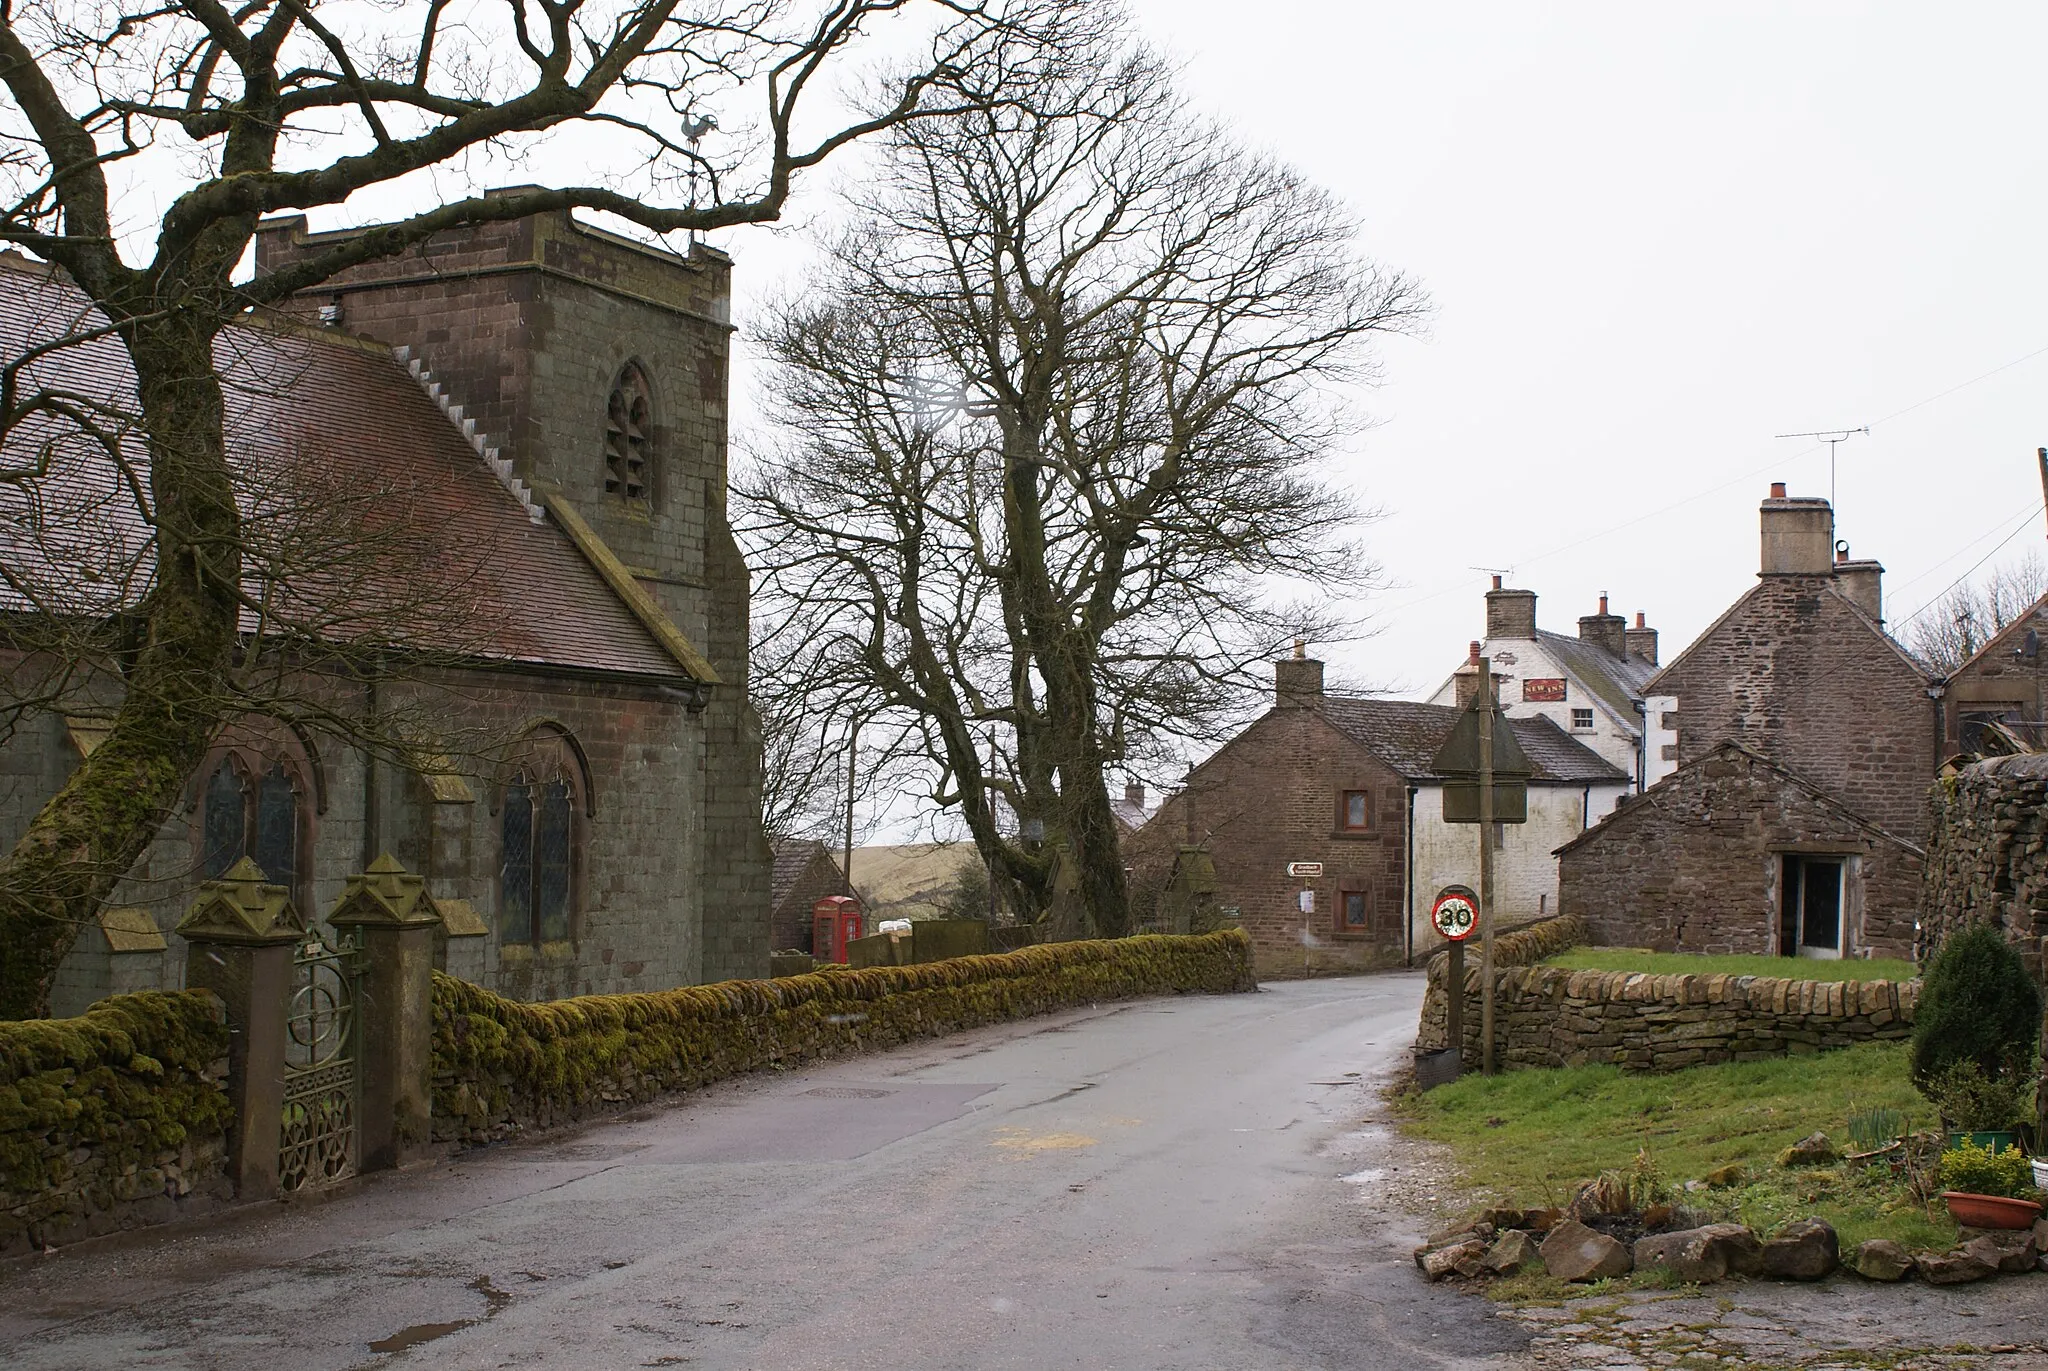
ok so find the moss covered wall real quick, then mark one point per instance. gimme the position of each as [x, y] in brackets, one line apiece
[501, 1066]
[112, 1120]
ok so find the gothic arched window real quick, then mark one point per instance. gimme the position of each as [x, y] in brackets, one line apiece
[629, 435]
[540, 839]
[251, 816]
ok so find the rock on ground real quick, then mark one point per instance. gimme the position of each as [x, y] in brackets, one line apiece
[1702, 1254]
[1574, 1252]
[1881, 1259]
[1804, 1250]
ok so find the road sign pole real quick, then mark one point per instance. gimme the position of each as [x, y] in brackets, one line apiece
[1454, 1002]
[1486, 869]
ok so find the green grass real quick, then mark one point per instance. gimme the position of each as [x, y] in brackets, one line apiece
[1531, 1137]
[1686, 964]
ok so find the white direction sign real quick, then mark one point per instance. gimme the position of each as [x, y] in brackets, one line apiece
[1304, 868]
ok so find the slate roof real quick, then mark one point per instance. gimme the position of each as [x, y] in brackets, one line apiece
[1617, 681]
[1406, 735]
[302, 406]
[792, 856]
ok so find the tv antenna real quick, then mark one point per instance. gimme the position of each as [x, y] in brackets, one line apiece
[1830, 436]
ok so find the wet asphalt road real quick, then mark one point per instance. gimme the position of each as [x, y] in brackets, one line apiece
[1148, 1185]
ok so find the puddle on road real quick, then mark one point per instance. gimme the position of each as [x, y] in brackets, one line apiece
[495, 1301]
[1368, 1176]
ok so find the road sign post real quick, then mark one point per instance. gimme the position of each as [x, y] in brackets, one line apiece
[1486, 708]
[1455, 915]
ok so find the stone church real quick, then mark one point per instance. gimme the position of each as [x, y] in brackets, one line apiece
[552, 399]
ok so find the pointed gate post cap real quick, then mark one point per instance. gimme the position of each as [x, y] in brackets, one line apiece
[386, 895]
[243, 908]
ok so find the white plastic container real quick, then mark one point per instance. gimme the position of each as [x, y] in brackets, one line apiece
[2040, 1173]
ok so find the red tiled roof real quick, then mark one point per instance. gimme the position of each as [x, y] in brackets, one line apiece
[307, 414]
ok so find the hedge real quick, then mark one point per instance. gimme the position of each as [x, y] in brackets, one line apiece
[501, 1065]
[124, 1105]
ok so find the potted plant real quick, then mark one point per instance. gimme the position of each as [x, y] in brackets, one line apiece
[1989, 1187]
[1976, 1107]
[1975, 1033]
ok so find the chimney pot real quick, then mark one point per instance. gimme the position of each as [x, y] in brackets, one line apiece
[1798, 535]
[1603, 602]
[1468, 676]
[1297, 680]
[1496, 583]
[1510, 614]
[1639, 618]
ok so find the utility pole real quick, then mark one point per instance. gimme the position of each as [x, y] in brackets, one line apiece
[1486, 707]
[852, 774]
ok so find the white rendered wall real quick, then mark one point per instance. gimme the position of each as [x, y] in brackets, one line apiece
[1524, 869]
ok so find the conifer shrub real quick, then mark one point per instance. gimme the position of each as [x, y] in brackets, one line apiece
[1979, 1011]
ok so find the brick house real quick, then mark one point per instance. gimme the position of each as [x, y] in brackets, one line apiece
[1348, 783]
[1589, 685]
[553, 396]
[1825, 707]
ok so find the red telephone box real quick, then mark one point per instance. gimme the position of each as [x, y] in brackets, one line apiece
[835, 922]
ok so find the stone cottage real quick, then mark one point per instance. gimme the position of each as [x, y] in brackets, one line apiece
[1589, 685]
[805, 873]
[1807, 838]
[1346, 786]
[550, 400]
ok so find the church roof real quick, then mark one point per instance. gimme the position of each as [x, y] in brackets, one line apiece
[308, 413]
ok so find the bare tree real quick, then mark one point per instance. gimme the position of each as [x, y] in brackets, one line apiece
[287, 105]
[1043, 488]
[1948, 632]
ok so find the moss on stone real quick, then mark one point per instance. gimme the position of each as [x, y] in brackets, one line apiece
[501, 1064]
[131, 1077]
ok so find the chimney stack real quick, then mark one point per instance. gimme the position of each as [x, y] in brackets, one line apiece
[1298, 680]
[1609, 631]
[1798, 534]
[1134, 794]
[1641, 640]
[1510, 613]
[1468, 675]
[1862, 582]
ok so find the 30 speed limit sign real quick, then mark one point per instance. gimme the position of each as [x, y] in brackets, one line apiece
[1455, 914]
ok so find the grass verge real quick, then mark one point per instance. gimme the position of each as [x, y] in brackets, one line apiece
[1531, 1137]
[1688, 964]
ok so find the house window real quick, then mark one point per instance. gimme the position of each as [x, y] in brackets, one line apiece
[1354, 811]
[247, 815]
[540, 842]
[1810, 922]
[1582, 718]
[1354, 911]
[628, 435]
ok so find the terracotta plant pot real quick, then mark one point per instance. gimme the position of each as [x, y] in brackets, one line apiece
[1990, 1211]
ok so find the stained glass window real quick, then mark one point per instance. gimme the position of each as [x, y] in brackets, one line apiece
[551, 861]
[628, 431]
[277, 827]
[515, 917]
[224, 827]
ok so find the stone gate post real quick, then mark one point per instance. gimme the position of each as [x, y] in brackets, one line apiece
[242, 932]
[397, 920]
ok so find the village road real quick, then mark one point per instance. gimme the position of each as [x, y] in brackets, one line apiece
[1158, 1184]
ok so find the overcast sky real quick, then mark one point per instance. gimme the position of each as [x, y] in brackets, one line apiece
[1658, 235]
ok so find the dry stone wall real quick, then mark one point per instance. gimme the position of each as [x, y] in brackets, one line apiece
[1987, 854]
[112, 1120]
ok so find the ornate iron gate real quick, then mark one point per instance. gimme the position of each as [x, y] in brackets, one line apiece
[317, 1142]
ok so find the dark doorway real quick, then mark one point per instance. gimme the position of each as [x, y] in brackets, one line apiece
[1810, 907]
